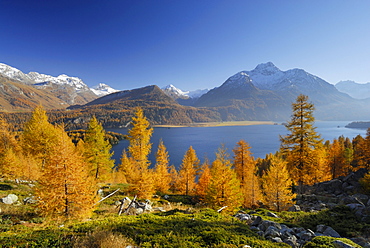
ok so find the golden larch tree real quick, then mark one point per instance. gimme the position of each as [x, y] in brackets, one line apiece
[162, 177]
[65, 190]
[224, 187]
[10, 152]
[139, 136]
[202, 185]
[276, 185]
[319, 170]
[138, 153]
[297, 146]
[97, 151]
[38, 136]
[188, 172]
[245, 168]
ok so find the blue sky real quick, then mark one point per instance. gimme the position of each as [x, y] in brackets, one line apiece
[192, 44]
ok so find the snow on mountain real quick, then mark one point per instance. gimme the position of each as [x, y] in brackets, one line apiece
[14, 73]
[355, 90]
[75, 82]
[171, 90]
[267, 76]
[174, 92]
[39, 79]
[103, 89]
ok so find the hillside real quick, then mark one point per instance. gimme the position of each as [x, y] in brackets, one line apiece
[17, 96]
[116, 109]
[69, 90]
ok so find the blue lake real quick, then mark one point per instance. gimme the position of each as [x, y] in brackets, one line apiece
[263, 139]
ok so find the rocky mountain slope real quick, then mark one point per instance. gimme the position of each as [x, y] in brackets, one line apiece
[17, 96]
[70, 90]
[267, 93]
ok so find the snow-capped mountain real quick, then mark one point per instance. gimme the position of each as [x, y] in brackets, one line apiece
[267, 92]
[267, 76]
[71, 90]
[355, 90]
[175, 93]
[103, 89]
[63, 79]
[14, 73]
[40, 80]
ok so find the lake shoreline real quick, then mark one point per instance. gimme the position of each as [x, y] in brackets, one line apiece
[220, 124]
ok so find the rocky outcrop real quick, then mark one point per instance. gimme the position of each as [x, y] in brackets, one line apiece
[293, 236]
[339, 191]
[276, 232]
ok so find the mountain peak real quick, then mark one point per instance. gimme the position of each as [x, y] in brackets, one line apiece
[267, 68]
[103, 89]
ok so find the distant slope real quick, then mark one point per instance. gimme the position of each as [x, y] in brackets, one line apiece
[355, 90]
[118, 108]
[17, 96]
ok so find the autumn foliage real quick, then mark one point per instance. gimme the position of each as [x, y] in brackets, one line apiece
[67, 172]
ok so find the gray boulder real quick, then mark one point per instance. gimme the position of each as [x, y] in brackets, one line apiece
[266, 223]
[294, 208]
[10, 199]
[257, 221]
[272, 232]
[327, 231]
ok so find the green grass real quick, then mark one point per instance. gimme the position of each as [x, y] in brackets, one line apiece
[206, 228]
[20, 225]
[327, 242]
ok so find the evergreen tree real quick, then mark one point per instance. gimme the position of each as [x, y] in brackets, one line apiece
[97, 150]
[297, 147]
[65, 189]
[277, 186]
[188, 171]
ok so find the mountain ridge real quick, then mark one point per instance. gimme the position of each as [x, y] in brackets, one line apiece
[355, 90]
[264, 93]
[71, 90]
